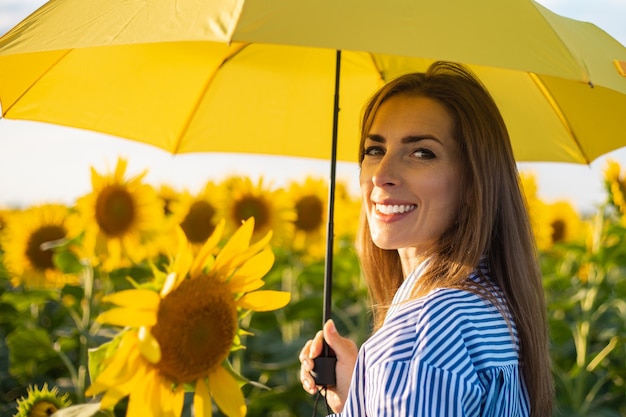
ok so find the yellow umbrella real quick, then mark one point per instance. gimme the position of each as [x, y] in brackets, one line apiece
[258, 76]
[269, 76]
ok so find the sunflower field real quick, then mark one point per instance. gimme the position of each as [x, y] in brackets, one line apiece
[143, 300]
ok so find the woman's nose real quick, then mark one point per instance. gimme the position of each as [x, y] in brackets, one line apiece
[386, 172]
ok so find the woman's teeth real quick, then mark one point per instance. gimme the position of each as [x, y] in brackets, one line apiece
[395, 208]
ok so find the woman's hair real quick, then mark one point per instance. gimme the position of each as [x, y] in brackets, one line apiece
[492, 220]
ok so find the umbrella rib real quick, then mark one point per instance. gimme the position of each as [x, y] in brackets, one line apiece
[234, 51]
[557, 109]
[6, 111]
[378, 70]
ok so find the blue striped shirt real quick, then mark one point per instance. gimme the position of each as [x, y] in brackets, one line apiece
[450, 353]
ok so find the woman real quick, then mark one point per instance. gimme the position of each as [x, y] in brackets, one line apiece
[449, 259]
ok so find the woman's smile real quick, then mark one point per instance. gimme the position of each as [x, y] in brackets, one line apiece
[394, 208]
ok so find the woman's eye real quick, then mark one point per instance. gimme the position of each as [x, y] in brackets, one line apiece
[424, 154]
[373, 150]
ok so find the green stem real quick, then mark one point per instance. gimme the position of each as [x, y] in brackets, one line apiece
[291, 330]
[67, 362]
[83, 324]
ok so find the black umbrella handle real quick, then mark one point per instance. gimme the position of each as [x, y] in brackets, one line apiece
[324, 367]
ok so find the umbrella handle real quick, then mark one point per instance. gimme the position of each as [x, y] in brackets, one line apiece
[324, 367]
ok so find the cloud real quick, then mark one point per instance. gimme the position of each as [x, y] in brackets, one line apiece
[14, 11]
[606, 14]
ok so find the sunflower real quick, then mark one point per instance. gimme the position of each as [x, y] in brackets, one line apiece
[538, 211]
[615, 185]
[309, 200]
[41, 402]
[271, 208]
[121, 218]
[27, 261]
[4, 222]
[169, 196]
[4, 213]
[566, 224]
[196, 214]
[180, 332]
[347, 211]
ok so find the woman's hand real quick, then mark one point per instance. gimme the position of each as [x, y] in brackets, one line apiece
[346, 352]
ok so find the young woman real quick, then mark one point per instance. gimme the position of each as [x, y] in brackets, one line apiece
[448, 255]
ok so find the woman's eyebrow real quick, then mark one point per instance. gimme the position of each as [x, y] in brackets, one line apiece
[405, 140]
[418, 138]
[376, 138]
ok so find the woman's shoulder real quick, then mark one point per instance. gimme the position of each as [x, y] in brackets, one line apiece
[479, 294]
[458, 303]
[457, 323]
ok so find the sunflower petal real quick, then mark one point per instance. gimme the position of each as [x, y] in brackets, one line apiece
[169, 284]
[183, 260]
[117, 367]
[252, 270]
[112, 252]
[247, 284]
[259, 264]
[226, 393]
[264, 300]
[239, 242]
[148, 345]
[255, 248]
[135, 374]
[120, 169]
[120, 390]
[202, 400]
[139, 299]
[172, 399]
[259, 245]
[128, 317]
[152, 400]
[207, 249]
[143, 402]
[95, 177]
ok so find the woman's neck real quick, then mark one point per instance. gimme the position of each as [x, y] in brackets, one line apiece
[411, 258]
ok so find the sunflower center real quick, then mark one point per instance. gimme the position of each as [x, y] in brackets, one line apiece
[251, 206]
[115, 210]
[39, 258]
[43, 408]
[195, 328]
[310, 212]
[198, 224]
[167, 204]
[558, 231]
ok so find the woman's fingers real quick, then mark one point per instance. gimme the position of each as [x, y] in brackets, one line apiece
[306, 364]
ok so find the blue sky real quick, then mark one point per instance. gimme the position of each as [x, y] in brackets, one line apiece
[44, 163]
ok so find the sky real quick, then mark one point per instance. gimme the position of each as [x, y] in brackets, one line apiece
[42, 163]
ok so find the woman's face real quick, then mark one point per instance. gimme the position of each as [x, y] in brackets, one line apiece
[410, 175]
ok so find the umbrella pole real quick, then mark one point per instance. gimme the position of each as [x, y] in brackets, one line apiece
[330, 231]
[324, 365]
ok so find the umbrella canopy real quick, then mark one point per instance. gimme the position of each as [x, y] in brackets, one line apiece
[258, 76]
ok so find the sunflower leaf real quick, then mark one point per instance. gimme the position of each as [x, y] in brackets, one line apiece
[30, 352]
[98, 355]
[24, 300]
[67, 262]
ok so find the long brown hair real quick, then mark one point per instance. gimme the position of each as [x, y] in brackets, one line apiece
[492, 220]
